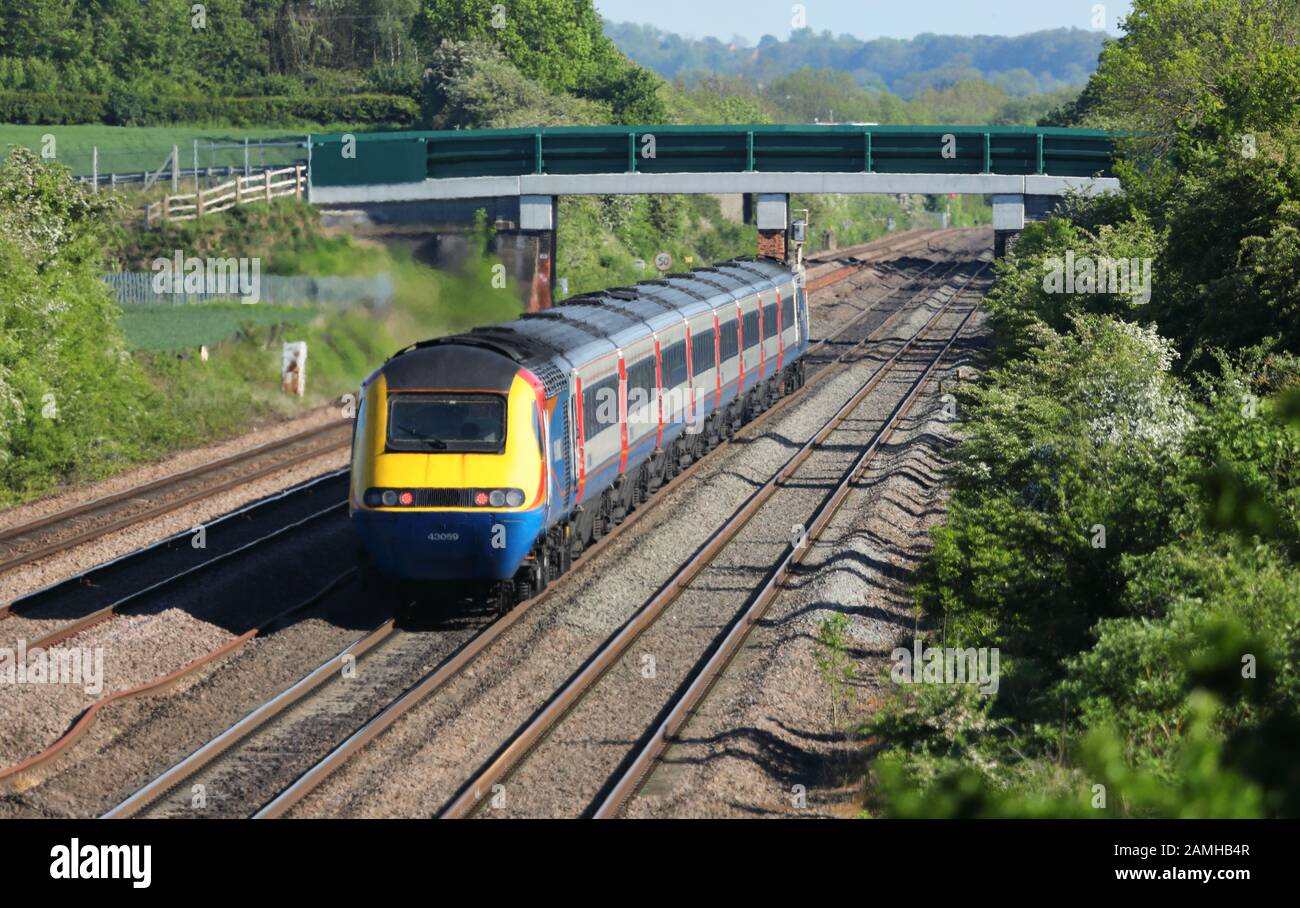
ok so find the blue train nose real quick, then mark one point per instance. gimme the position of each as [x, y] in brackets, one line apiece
[448, 545]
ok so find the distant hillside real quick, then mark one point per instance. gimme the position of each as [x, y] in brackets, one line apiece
[1024, 65]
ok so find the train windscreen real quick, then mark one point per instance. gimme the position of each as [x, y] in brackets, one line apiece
[447, 423]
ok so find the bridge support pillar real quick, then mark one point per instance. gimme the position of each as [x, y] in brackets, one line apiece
[1008, 221]
[773, 222]
[538, 217]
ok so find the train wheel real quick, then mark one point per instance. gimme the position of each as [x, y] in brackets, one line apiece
[501, 597]
[372, 582]
[523, 591]
[541, 569]
[405, 599]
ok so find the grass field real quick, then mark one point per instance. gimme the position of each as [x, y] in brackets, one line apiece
[169, 328]
[131, 149]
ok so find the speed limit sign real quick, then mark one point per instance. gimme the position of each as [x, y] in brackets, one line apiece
[663, 261]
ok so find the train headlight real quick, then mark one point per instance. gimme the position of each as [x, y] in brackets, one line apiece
[497, 498]
[389, 498]
[514, 498]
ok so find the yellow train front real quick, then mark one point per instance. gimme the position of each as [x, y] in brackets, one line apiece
[448, 473]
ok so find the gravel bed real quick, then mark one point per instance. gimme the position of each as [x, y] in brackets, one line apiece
[767, 726]
[110, 657]
[169, 628]
[416, 767]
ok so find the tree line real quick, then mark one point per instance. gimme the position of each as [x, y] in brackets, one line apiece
[1125, 517]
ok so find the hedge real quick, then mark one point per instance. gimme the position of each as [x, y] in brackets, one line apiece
[125, 107]
[51, 109]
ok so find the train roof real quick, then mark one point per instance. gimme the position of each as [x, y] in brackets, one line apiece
[554, 341]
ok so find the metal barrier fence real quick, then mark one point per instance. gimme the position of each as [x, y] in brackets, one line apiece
[413, 156]
[136, 288]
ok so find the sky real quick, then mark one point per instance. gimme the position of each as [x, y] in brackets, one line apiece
[866, 19]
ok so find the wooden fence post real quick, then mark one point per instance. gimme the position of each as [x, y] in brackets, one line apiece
[266, 176]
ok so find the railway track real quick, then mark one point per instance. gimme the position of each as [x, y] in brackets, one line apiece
[33, 606]
[233, 771]
[270, 720]
[544, 723]
[853, 259]
[57, 532]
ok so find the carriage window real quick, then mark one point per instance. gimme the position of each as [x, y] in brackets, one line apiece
[751, 329]
[599, 406]
[640, 385]
[702, 351]
[769, 320]
[674, 364]
[727, 341]
[787, 312]
[452, 423]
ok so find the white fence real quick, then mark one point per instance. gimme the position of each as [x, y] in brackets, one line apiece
[263, 187]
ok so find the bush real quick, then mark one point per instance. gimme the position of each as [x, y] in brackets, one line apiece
[70, 394]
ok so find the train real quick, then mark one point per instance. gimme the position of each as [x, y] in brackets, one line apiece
[488, 461]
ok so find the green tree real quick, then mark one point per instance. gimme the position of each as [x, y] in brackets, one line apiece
[557, 42]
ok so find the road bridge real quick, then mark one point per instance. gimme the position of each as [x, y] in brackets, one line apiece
[1025, 170]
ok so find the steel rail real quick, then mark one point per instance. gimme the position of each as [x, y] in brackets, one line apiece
[527, 737]
[630, 780]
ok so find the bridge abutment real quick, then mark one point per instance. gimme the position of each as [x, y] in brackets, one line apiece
[1010, 212]
[773, 223]
[1008, 221]
[538, 217]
